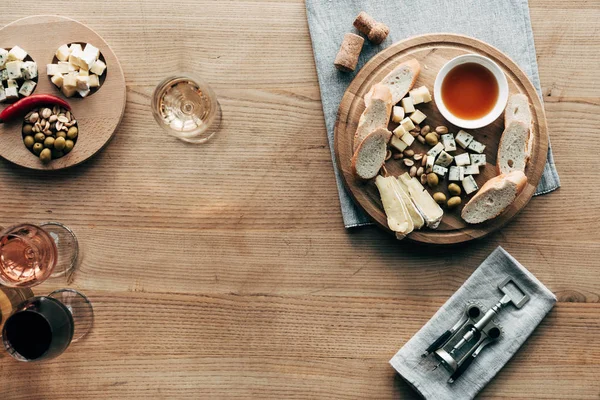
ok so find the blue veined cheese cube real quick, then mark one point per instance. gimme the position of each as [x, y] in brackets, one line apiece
[27, 88]
[478, 159]
[3, 75]
[476, 146]
[463, 139]
[2, 94]
[435, 150]
[11, 83]
[14, 69]
[429, 164]
[16, 54]
[469, 184]
[444, 159]
[3, 57]
[456, 174]
[448, 142]
[29, 70]
[11, 93]
[441, 171]
[462, 159]
[472, 170]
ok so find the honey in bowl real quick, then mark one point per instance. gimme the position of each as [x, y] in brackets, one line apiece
[470, 91]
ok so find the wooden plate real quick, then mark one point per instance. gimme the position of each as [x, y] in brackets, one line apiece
[433, 51]
[97, 116]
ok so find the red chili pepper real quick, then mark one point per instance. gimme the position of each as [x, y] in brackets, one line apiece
[22, 106]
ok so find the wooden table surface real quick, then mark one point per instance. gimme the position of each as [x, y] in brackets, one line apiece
[224, 271]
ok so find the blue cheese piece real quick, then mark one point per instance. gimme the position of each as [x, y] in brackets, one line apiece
[16, 54]
[29, 70]
[14, 69]
[11, 83]
[478, 159]
[398, 144]
[408, 139]
[463, 139]
[444, 159]
[441, 171]
[3, 75]
[408, 105]
[2, 94]
[435, 150]
[476, 146]
[456, 174]
[429, 164]
[469, 184]
[3, 57]
[462, 159]
[11, 93]
[448, 142]
[27, 88]
[472, 170]
[406, 123]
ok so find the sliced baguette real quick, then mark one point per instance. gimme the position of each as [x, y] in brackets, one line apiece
[517, 139]
[399, 81]
[398, 219]
[376, 114]
[370, 154]
[494, 197]
[517, 109]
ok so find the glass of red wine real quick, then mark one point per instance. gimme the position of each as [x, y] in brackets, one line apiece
[43, 327]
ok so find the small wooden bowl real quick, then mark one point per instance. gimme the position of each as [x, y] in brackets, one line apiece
[97, 116]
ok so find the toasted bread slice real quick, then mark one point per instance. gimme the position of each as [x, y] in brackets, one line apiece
[494, 197]
[370, 155]
[399, 81]
[376, 115]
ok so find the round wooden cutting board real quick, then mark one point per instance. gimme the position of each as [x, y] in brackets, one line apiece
[433, 51]
[97, 116]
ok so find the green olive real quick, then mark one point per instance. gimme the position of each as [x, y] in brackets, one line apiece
[439, 197]
[46, 155]
[56, 154]
[454, 189]
[49, 142]
[68, 146]
[37, 148]
[432, 179]
[59, 143]
[61, 134]
[454, 202]
[29, 141]
[39, 137]
[27, 129]
[72, 133]
[431, 139]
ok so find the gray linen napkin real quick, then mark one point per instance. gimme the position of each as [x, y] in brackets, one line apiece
[504, 24]
[517, 325]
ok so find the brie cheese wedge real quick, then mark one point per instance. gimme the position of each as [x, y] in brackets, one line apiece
[397, 214]
[430, 210]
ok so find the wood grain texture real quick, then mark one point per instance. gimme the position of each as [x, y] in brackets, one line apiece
[98, 115]
[223, 270]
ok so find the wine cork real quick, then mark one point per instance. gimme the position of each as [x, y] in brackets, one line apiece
[375, 31]
[347, 57]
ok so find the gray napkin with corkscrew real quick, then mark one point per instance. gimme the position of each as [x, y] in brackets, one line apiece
[516, 326]
[503, 24]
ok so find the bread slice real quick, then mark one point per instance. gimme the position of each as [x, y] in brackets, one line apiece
[376, 115]
[512, 150]
[494, 197]
[399, 81]
[517, 109]
[398, 219]
[370, 155]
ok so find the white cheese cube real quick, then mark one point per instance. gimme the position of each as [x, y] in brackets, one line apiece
[52, 69]
[2, 94]
[63, 53]
[417, 117]
[29, 70]
[12, 83]
[406, 123]
[399, 131]
[463, 139]
[429, 164]
[3, 75]
[3, 57]
[87, 61]
[84, 93]
[439, 170]
[408, 105]
[444, 159]
[408, 139]
[83, 72]
[63, 67]
[398, 144]
[83, 82]
[424, 93]
[68, 92]
[57, 80]
[11, 93]
[75, 57]
[462, 159]
[454, 174]
[98, 68]
[448, 142]
[435, 150]
[416, 97]
[27, 88]
[471, 170]
[469, 184]
[14, 69]
[92, 51]
[94, 81]
[476, 146]
[478, 159]
[16, 54]
[75, 46]
[397, 114]
[69, 82]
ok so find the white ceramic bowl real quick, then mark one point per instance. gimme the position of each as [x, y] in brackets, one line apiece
[502, 91]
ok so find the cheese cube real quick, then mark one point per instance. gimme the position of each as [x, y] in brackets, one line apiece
[75, 46]
[68, 92]
[98, 68]
[435, 150]
[62, 67]
[75, 57]
[408, 105]
[407, 138]
[29, 70]
[416, 97]
[448, 142]
[94, 81]
[12, 83]
[69, 82]
[16, 54]
[478, 159]
[463, 139]
[2, 94]
[456, 174]
[52, 69]
[57, 80]
[476, 146]
[83, 72]
[462, 159]
[417, 117]
[92, 51]
[399, 131]
[3, 75]
[83, 82]
[429, 164]
[63, 53]
[406, 123]
[11, 93]
[439, 170]
[3, 57]
[397, 114]
[87, 61]
[471, 170]
[424, 93]
[398, 144]
[14, 69]
[84, 93]
[444, 159]
[469, 184]
[27, 88]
